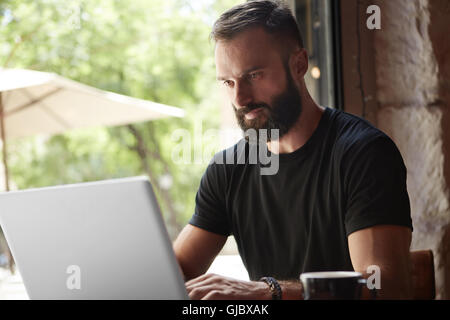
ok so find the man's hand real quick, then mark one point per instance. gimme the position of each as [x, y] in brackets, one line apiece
[215, 287]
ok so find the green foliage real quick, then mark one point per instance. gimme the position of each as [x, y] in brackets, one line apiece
[151, 49]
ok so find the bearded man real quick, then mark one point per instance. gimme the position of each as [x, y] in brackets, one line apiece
[338, 200]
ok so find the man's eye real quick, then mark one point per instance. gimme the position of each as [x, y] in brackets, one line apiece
[254, 76]
[227, 83]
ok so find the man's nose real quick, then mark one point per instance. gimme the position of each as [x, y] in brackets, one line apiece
[242, 95]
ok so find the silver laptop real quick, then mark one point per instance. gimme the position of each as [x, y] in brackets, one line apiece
[96, 240]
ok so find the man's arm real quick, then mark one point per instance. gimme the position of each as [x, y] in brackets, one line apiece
[195, 250]
[386, 246]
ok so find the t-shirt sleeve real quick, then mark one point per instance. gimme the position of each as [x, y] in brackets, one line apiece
[210, 204]
[375, 183]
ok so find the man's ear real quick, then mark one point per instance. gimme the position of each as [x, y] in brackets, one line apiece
[299, 64]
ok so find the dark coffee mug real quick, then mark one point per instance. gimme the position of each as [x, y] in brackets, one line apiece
[332, 285]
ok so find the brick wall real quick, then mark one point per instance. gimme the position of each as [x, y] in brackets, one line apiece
[412, 81]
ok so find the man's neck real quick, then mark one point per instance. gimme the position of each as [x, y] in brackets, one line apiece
[302, 130]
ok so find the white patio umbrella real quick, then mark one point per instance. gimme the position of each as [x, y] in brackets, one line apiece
[33, 102]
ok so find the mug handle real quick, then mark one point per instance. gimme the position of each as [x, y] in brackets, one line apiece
[373, 292]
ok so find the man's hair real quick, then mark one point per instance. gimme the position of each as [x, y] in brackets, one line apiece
[273, 16]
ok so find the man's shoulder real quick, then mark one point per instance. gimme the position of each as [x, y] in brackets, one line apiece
[358, 140]
[354, 133]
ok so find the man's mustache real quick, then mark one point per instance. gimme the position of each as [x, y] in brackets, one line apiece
[250, 107]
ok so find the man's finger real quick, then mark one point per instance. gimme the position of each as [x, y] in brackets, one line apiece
[200, 292]
[203, 279]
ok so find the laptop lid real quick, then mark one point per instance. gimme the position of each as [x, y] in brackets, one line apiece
[95, 240]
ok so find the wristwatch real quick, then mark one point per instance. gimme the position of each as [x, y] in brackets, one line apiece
[274, 287]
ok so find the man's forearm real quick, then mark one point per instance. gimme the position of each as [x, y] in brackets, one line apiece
[291, 290]
[212, 286]
[391, 286]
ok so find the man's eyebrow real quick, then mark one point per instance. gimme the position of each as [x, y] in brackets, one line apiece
[249, 70]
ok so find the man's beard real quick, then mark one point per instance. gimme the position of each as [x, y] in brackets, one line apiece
[282, 114]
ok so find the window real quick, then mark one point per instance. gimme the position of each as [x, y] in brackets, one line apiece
[319, 23]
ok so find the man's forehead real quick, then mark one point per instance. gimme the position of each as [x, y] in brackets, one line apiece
[247, 50]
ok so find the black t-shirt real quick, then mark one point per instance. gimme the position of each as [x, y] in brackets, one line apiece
[346, 177]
